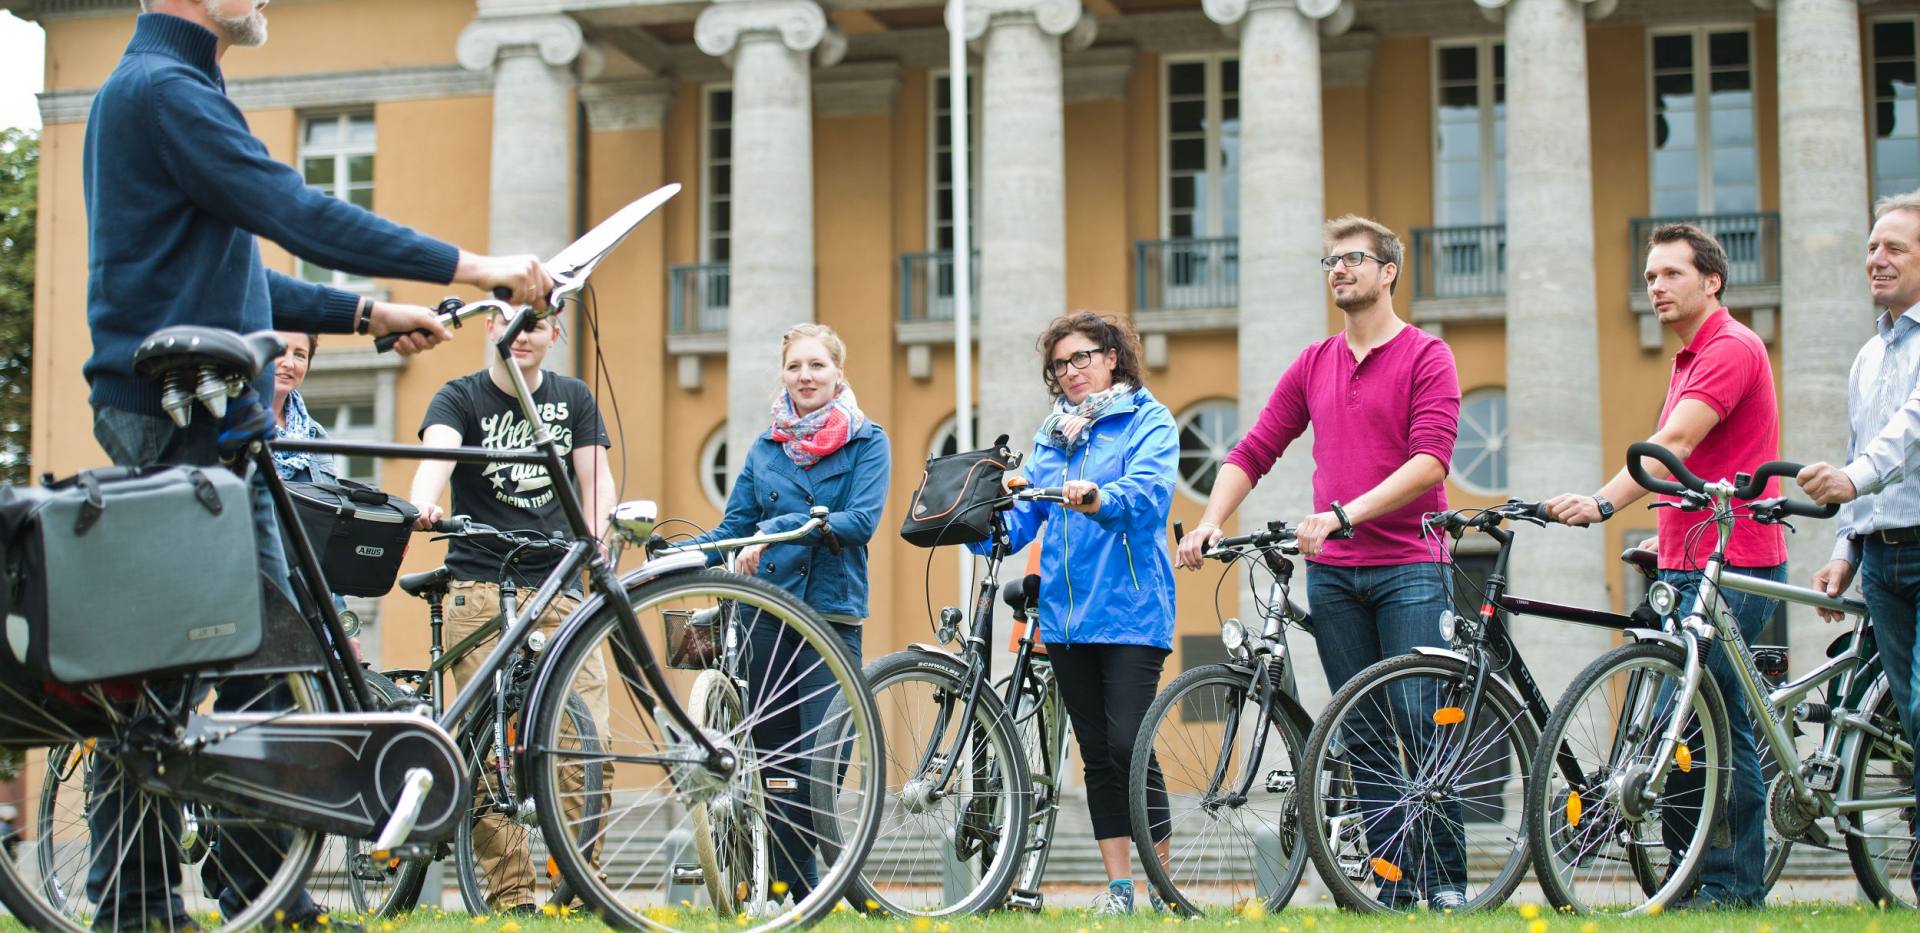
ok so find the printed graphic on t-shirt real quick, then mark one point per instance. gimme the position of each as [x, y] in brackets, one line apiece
[523, 485]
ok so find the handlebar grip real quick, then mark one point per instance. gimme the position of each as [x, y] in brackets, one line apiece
[448, 526]
[1757, 486]
[1808, 509]
[503, 293]
[1179, 533]
[1687, 482]
[831, 540]
[385, 344]
[1344, 534]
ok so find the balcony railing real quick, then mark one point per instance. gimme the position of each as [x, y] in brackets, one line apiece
[1459, 262]
[1173, 275]
[700, 296]
[1752, 242]
[926, 286]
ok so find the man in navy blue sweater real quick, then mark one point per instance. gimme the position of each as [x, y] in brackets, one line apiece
[177, 190]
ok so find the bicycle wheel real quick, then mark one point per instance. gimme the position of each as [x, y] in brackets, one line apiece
[1596, 840]
[500, 854]
[1231, 828]
[727, 838]
[1040, 726]
[948, 845]
[1880, 841]
[639, 868]
[347, 877]
[1429, 802]
[161, 860]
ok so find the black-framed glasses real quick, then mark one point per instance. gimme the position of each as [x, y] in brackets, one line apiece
[1080, 359]
[1349, 260]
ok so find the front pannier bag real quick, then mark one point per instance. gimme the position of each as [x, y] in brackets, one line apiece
[123, 572]
[360, 533]
[953, 503]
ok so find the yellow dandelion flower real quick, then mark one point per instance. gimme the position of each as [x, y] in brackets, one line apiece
[510, 927]
[1529, 911]
[323, 920]
[1538, 926]
[872, 904]
[1589, 927]
[943, 927]
[1308, 922]
[1655, 910]
[922, 923]
[280, 916]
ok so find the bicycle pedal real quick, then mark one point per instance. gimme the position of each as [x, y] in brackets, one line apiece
[1028, 901]
[689, 874]
[1822, 773]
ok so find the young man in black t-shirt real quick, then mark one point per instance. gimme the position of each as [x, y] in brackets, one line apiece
[480, 409]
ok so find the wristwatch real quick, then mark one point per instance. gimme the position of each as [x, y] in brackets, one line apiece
[1606, 508]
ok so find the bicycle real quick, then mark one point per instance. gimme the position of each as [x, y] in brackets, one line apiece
[1223, 740]
[253, 765]
[975, 765]
[1612, 832]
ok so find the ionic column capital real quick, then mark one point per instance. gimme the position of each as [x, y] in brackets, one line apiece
[800, 25]
[1495, 10]
[1334, 16]
[1054, 17]
[556, 39]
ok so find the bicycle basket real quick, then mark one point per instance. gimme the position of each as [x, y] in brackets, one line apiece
[951, 505]
[693, 637]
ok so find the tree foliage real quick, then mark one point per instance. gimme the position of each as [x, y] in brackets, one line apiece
[19, 202]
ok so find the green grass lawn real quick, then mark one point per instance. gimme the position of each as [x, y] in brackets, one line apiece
[1524, 918]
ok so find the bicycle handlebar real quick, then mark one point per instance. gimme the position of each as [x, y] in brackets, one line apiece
[1684, 481]
[816, 520]
[453, 312]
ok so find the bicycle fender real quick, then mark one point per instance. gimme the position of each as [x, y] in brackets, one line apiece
[1288, 703]
[569, 628]
[1655, 635]
[924, 648]
[1441, 653]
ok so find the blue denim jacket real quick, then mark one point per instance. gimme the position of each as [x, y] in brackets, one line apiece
[772, 495]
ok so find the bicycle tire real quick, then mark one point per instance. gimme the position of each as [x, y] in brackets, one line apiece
[637, 881]
[1253, 873]
[1568, 838]
[1042, 731]
[1883, 877]
[513, 833]
[43, 882]
[726, 838]
[974, 840]
[1493, 752]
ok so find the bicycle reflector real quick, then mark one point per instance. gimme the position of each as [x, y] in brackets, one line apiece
[1573, 808]
[1683, 757]
[1387, 870]
[1449, 715]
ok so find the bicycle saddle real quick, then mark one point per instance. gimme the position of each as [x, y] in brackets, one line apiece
[1022, 595]
[192, 346]
[419, 584]
[1643, 560]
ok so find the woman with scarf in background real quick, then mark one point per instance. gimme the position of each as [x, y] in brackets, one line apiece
[820, 449]
[1106, 584]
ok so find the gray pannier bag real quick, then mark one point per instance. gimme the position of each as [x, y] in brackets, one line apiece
[122, 572]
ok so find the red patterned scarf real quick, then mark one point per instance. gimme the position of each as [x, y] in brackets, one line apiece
[827, 429]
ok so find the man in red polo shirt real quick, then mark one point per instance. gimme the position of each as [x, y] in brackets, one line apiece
[1721, 418]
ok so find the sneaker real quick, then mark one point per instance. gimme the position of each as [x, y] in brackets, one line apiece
[1159, 903]
[1447, 900]
[1118, 901]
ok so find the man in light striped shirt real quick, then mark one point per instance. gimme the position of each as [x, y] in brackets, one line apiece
[1880, 484]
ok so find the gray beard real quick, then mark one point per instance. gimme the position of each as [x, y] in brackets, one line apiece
[247, 32]
[1357, 300]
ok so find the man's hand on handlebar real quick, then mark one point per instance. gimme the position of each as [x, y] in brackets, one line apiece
[1082, 496]
[1311, 535]
[1194, 547]
[430, 512]
[521, 280]
[1826, 484]
[1573, 509]
[1833, 580]
[419, 328]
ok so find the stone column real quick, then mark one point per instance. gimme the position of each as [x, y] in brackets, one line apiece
[1022, 236]
[767, 42]
[1554, 409]
[1826, 311]
[1283, 295]
[530, 195]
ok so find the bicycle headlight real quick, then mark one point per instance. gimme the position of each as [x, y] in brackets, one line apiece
[350, 622]
[1447, 623]
[1234, 636]
[536, 641]
[1662, 597]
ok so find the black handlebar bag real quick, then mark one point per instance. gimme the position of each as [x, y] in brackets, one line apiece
[125, 572]
[359, 532]
[954, 504]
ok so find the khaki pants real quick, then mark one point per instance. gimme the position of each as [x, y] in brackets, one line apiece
[500, 845]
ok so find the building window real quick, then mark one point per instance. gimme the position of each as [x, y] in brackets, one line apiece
[941, 171]
[1207, 434]
[1200, 187]
[946, 439]
[348, 417]
[716, 154]
[336, 157]
[1896, 124]
[1480, 451]
[1705, 159]
[715, 481]
[1470, 133]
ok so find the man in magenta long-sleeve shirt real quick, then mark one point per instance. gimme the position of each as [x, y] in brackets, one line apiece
[1384, 402]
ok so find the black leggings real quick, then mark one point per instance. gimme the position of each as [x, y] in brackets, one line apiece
[1107, 689]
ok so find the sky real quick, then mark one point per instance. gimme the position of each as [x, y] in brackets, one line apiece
[22, 68]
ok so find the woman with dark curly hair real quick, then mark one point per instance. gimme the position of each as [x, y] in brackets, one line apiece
[1106, 583]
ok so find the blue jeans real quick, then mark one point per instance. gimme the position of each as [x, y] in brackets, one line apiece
[1361, 616]
[789, 679]
[147, 875]
[1733, 875]
[1890, 581]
